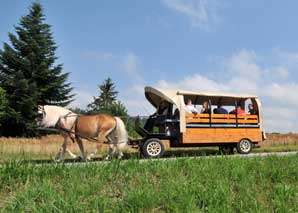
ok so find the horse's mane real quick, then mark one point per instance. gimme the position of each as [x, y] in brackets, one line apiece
[58, 108]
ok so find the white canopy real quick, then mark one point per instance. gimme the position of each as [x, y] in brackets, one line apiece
[178, 97]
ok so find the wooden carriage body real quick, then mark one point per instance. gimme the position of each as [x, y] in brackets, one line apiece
[189, 129]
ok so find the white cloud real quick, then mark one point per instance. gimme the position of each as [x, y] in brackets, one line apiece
[281, 72]
[244, 64]
[194, 82]
[130, 63]
[201, 13]
[282, 94]
[134, 99]
[82, 99]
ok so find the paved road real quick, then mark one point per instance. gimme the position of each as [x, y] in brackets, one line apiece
[252, 155]
[100, 162]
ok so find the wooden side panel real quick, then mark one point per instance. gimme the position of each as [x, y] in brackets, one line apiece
[221, 135]
[221, 118]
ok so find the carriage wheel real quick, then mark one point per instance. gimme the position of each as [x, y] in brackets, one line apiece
[244, 146]
[153, 148]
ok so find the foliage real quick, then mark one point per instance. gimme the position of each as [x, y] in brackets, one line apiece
[28, 72]
[107, 102]
[3, 105]
[79, 111]
[184, 185]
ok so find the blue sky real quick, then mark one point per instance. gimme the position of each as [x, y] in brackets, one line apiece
[201, 45]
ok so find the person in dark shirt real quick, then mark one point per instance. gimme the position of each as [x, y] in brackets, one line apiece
[220, 110]
[252, 110]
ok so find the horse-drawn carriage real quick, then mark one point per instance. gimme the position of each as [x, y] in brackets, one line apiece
[171, 122]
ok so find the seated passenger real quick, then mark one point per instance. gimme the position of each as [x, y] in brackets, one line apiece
[157, 118]
[220, 110]
[163, 108]
[205, 108]
[252, 110]
[176, 114]
[189, 108]
[240, 111]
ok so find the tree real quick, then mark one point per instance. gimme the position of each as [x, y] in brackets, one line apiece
[107, 95]
[107, 101]
[29, 74]
[3, 105]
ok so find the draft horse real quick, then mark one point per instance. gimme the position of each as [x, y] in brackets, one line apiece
[71, 125]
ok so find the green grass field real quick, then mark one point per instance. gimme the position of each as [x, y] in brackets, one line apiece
[184, 185]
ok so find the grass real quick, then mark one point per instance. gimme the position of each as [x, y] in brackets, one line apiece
[184, 185]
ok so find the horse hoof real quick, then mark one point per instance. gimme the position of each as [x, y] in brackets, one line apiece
[75, 157]
[58, 160]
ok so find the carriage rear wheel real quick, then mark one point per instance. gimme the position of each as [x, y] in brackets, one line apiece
[244, 146]
[153, 148]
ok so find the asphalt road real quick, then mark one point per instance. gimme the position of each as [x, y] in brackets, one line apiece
[98, 161]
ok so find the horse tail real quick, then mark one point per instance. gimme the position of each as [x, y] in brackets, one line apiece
[121, 133]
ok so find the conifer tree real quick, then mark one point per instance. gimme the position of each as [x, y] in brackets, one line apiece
[28, 72]
[107, 95]
[107, 101]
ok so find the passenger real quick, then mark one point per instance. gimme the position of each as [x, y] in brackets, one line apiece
[220, 110]
[252, 110]
[176, 114]
[205, 108]
[189, 108]
[240, 111]
[163, 108]
[158, 117]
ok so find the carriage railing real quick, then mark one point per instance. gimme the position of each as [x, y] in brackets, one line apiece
[231, 119]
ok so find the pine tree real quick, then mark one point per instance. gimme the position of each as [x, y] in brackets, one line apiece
[107, 96]
[3, 105]
[107, 101]
[29, 74]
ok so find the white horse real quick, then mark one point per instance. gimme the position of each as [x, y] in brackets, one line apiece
[103, 127]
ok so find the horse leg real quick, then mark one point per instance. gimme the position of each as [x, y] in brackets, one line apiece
[72, 155]
[100, 139]
[120, 147]
[60, 155]
[120, 154]
[112, 151]
[81, 146]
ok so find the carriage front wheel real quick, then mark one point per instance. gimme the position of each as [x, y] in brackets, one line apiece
[153, 148]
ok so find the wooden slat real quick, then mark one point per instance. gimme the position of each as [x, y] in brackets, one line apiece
[248, 116]
[220, 135]
[222, 118]
[193, 120]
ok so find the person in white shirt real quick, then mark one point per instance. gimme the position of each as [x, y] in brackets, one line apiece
[189, 108]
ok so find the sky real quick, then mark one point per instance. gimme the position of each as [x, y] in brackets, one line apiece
[231, 46]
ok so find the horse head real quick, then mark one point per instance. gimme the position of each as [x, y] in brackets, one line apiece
[49, 115]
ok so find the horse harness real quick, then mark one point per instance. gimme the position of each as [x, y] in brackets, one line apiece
[73, 130]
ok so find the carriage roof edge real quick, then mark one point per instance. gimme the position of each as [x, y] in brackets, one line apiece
[155, 95]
